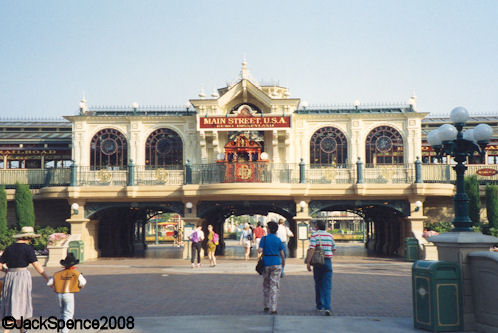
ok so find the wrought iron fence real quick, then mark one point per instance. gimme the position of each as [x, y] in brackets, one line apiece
[36, 178]
[216, 173]
[444, 173]
[87, 176]
[327, 174]
[389, 174]
[254, 172]
[159, 175]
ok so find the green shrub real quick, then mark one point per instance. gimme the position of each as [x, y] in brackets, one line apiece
[492, 205]
[25, 211]
[440, 227]
[472, 190]
[493, 232]
[6, 238]
[3, 210]
[38, 243]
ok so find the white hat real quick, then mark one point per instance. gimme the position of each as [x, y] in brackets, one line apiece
[26, 232]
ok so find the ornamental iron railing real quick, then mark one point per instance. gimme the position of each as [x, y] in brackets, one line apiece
[246, 172]
[36, 178]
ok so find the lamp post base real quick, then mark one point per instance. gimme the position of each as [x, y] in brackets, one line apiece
[455, 247]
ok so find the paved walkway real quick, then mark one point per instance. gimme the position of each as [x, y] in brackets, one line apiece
[167, 295]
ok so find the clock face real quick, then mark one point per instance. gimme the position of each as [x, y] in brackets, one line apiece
[164, 146]
[108, 146]
[383, 144]
[328, 145]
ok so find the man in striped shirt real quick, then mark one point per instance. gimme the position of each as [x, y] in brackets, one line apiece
[322, 274]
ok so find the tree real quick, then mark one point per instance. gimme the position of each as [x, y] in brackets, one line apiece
[492, 205]
[3, 210]
[472, 190]
[25, 211]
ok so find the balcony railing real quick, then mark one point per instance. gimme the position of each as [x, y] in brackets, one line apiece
[36, 178]
[444, 173]
[284, 173]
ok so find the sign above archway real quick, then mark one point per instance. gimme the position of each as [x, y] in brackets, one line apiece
[245, 118]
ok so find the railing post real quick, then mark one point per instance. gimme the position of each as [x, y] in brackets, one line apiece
[359, 171]
[131, 173]
[74, 178]
[418, 171]
[302, 172]
[188, 173]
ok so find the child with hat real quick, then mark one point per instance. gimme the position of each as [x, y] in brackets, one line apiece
[65, 283]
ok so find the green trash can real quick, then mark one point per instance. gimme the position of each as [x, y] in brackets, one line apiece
[76, 248]
[411, 249]
[437, 296]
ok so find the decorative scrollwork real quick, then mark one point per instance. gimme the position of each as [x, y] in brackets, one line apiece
[104, 176]
[330, 173]
[162, 175]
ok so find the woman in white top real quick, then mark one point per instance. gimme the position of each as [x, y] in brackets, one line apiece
[246, 240]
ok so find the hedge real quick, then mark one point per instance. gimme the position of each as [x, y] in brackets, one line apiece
[472, 190]
[25, 211]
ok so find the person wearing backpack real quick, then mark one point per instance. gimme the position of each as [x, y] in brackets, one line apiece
[322, 274]
[197, 236]
[213, 241]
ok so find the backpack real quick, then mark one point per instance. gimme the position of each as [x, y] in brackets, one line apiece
[216, 239]
[195, 237]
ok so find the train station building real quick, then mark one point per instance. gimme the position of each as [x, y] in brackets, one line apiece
[245, 149]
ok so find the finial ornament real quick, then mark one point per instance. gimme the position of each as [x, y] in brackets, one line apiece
[202, 94]
[83, 105]
[215, 94]
[413, 100]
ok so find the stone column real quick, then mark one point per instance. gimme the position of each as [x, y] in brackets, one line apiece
[85, 229]
[455, 247]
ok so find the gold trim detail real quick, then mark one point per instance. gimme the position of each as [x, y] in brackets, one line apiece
[104, 176]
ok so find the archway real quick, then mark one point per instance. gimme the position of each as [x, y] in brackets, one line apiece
[383, 221]
[216, 212]
[121, 226]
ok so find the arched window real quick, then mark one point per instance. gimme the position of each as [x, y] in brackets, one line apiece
[328, 146]
[108, 148]
[384, 145]
[164, 147]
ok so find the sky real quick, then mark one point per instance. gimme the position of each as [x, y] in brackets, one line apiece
[326, 52]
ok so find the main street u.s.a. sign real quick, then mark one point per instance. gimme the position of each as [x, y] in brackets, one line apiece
[245, 122]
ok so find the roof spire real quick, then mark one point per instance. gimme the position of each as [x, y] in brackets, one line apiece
[244, 72]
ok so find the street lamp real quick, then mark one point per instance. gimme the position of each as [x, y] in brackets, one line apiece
[451, 140]
[302, 204]
[189, 206]
[188, 105]
[74, 208]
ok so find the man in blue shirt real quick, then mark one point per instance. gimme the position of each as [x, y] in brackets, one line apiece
[272, 250]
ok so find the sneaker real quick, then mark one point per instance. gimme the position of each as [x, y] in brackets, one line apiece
[193, 265]
[274, 312]
[198, 265]
[266, 309]
[326, 312]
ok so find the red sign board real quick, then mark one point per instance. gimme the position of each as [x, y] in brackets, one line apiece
[487, 172]
[244, 122]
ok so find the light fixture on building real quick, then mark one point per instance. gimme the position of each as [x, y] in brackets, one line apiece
[302, 204]
[134, 106]
[450, 140]
[189, 206]
[356, 104]
[188, 105]
[418, 205]
[264, 155]
[74, 208]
